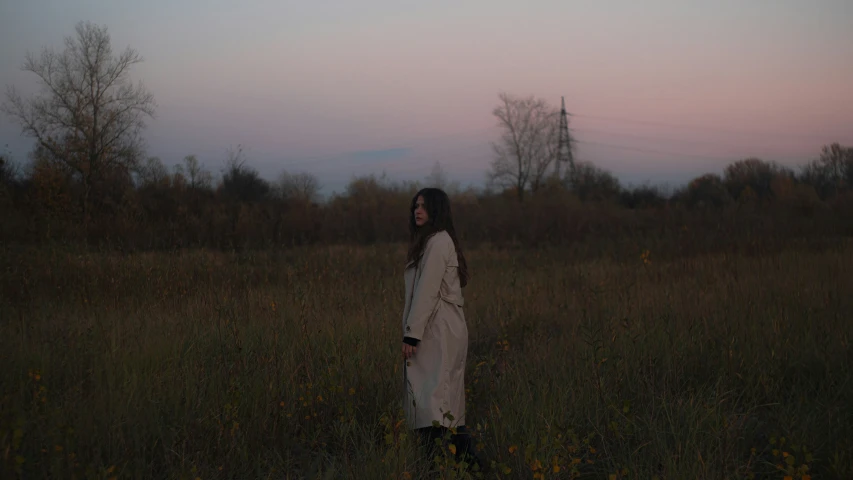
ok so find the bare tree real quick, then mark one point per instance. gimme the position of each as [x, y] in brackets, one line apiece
[235, 160]
[528, 145]
[240, 181]
[89, 116]
[832, 172]
[198, 177]
[152, 172]
[753, 173]
[837, 163]
[9, 170]
[299, 186]
[591, 183]
[549, 138]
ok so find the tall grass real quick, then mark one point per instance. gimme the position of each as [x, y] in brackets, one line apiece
[287, 365]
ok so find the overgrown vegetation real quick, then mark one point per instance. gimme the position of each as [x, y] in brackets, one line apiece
[754, 200]
[214, 365]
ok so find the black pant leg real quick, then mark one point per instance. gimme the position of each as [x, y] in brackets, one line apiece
[466, 447]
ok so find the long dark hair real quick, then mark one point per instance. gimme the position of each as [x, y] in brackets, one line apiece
[437, 205]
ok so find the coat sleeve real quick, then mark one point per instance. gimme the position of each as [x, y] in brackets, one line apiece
[426, 295]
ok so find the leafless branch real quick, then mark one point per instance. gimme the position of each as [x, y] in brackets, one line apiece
[528, 145]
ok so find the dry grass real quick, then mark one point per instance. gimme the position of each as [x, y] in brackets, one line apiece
[287, 365]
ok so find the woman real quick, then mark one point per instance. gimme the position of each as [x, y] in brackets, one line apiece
[435, 336]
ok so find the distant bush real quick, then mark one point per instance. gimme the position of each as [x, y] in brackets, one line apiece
[155, 209]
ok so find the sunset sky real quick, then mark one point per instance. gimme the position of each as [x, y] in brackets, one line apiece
[660, 91]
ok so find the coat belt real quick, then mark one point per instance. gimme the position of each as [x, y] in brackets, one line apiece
[453, 299]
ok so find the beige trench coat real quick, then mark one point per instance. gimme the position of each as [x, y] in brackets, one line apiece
[435, 375]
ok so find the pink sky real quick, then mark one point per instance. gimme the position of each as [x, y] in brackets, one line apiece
[663, 90]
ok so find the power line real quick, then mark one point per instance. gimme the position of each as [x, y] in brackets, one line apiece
[410, 162]
[699, 127]
[656, 152]
[460, 153]
[343, 155]
[753, 150]
[425, 159]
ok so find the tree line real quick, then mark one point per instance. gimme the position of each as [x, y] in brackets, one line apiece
[89, 181]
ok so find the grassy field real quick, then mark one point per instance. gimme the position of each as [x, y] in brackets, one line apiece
[287, 365]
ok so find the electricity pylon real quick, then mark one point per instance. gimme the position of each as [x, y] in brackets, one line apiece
[564, 147]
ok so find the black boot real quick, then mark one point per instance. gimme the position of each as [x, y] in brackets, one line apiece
[428, 436]
[466, 449]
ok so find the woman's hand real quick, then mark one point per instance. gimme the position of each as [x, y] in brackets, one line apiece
[409, 351]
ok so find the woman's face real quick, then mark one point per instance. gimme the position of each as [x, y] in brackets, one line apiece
[421, 216]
